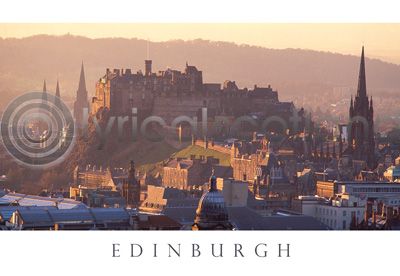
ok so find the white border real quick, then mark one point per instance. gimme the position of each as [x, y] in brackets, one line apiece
[250, 11]
[90, 253]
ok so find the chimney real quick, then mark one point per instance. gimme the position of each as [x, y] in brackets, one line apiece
[147, 63]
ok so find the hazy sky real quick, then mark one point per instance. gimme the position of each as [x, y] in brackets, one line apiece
[381, 40]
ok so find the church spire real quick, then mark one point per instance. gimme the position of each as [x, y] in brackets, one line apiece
[362, 86]
[82, 82]
[58, 89]
[57, 100]
[44, 86]
[81, 102]
[44, 94]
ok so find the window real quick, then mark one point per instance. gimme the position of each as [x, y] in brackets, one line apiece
[344, 225]
[344, 213]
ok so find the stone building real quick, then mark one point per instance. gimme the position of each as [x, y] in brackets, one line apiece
[361, 126]
[191, 173]
[173, 93]
[94, 177]
[161, 198]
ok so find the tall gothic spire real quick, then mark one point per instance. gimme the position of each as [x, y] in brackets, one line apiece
[44, 95]
[362, 86]
[58, 89]
[81, 102]
[360, 137]
[44, 86]
[57, 100]
[82, 82]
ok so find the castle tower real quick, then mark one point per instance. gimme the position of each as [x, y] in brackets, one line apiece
[81, 101]
[361, 122]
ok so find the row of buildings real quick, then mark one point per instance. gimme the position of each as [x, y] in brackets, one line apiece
[275, 180]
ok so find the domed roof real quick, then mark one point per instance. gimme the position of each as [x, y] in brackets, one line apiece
[211, 212]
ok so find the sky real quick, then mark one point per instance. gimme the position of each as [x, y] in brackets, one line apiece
[380, 40]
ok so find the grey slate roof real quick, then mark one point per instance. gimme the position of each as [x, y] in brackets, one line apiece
[32, 200]
[7, 211]
[245, 218]
[44, 217]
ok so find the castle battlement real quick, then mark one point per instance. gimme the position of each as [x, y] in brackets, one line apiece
[172, 93]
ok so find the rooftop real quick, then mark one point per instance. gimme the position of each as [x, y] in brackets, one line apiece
[32, 200]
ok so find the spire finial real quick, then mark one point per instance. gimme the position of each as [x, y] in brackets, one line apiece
[362, 86]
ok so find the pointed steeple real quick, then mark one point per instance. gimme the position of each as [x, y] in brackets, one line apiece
[81, 102]
[82, 82]
[57, 100]
[362, 86]
[44, 94]
[44, 86]
[58, 89]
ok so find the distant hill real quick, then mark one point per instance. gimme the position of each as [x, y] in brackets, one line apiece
[296, 73]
